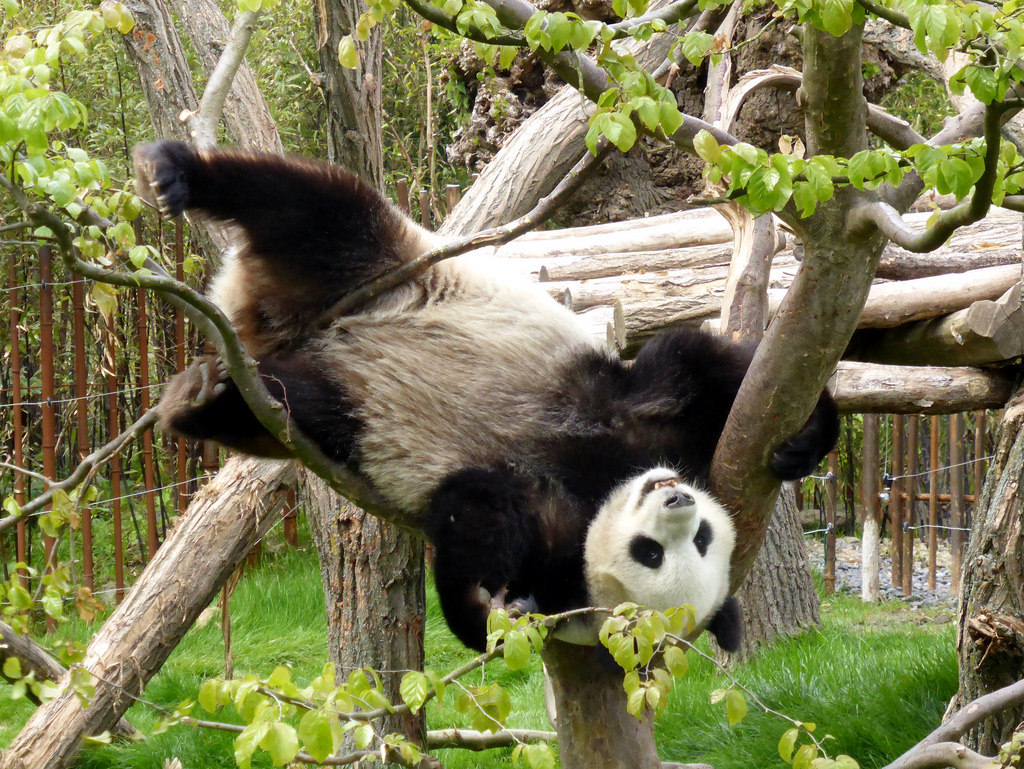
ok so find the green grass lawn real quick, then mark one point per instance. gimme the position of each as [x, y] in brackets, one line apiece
[876, 678]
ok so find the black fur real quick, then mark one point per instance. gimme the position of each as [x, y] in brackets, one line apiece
[517, 530]
[727, 624]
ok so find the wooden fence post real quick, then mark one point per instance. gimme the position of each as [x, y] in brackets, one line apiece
[896, 501]
[402, 193]
[979, 454]
[831, 495]
[46, 355]
[956, 498]
[933, 499]
[872, 511]
[913, 445]
[13, 316]
[181, 494]
[147, 437]
[82, 414]
[115, 478]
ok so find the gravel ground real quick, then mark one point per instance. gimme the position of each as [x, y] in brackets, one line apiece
[848, 576]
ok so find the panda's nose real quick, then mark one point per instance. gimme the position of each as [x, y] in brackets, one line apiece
[679, 499]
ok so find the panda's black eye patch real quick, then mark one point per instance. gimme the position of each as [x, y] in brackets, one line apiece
[702, 538]
[646, 551]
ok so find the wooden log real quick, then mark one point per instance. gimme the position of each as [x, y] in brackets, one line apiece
[226, 518]
[35, 659]
[985, 332]
[892, 304]
[573, 267]
[671, 231]
[993, 241]
[896, 502]
[911, 509]
[867, 388]
[933, 498]
[637, 289]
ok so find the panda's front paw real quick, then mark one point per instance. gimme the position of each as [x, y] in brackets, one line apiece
[162, 170]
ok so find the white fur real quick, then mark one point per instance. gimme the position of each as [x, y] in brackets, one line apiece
[472, 368]
[685, 577]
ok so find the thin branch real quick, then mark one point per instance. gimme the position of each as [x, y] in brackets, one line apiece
[887, 219]
[203, 123]
[437, 16]
[25, 471]
[893, 17]
[470, 739]
[85, 468]
[15, 226]
[491, 237]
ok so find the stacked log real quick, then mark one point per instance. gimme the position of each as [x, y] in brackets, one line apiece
[957, 306]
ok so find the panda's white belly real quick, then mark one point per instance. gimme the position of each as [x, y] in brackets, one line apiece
[466, 381]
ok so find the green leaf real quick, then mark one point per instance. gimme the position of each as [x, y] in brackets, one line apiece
[735, 707]
[649, 112]
[805, 754]
[208, 696]
[538, 756]
[281, 743]
[516, 650]
[315, 734]
[695, 46]
[836, 16]
[20, 598]
[362, 736]
[414, 688]
[620, 131]
[12, 668]
[247, 742]
[348, 56]
[982, 82]
[787, 743]
[559, 30]
[676, 661]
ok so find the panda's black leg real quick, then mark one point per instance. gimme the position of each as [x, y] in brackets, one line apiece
[802, 453]
[727, 625]
[202, 402]
[301, 218]
[483, 532]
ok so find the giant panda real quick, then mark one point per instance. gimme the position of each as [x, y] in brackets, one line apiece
[472, 400]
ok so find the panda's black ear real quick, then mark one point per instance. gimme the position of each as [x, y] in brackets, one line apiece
[727, 625]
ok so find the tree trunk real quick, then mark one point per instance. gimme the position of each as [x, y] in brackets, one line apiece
[990, 641]
[594, 729]
[374, 591]
[778, 596]
[226, 518]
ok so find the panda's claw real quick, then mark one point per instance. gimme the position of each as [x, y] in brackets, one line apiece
[163, 167]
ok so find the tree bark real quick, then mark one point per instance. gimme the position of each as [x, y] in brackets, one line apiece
[594, 728]
[354, 127]
[373, 580]
[868, 388]
[224, 520]
[778, 596]
[373, 573]
[246, 113]
[990, 639]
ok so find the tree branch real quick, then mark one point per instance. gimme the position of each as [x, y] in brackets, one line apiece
[470, 739]
[491, 237]
[202, 124]
[86, 468]
[941, 755]
[887, 219]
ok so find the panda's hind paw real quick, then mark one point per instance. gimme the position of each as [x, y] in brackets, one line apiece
[213, 380]
[162, 172]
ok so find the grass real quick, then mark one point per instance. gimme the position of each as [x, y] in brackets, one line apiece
[876, 678]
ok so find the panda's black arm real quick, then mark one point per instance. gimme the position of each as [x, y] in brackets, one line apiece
[685, 382]
[484, 531]
[313, 219]
[203, 403]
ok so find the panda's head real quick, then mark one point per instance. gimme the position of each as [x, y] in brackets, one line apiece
[660, 543]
